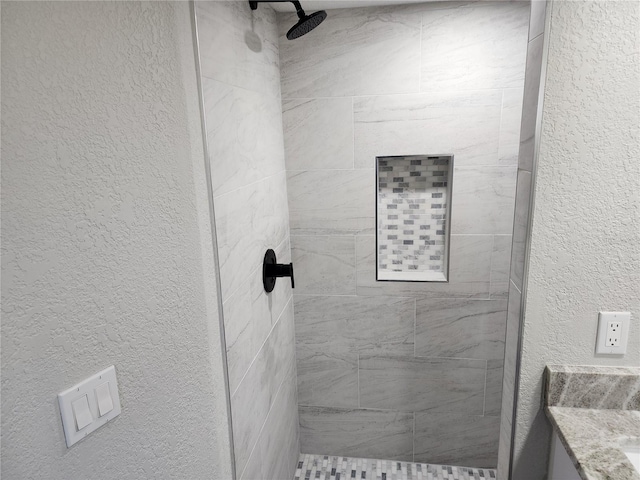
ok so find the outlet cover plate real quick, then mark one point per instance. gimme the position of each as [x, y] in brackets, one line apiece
[603, 321]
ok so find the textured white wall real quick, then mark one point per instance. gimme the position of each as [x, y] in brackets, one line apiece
[585, 254]
[106, 247]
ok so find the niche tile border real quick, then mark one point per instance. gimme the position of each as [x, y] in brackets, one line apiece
[413, 217]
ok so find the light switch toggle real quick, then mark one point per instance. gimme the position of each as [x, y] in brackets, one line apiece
[89, 405]
[103, 397]
[81, 412]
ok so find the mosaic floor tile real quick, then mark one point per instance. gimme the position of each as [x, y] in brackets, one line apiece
[325, 467]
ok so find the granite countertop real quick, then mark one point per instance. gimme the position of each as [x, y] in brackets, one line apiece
[596, 412]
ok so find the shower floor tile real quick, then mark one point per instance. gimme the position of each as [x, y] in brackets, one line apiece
[326, 467]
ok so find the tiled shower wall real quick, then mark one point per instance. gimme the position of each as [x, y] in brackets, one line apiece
[529, 132]
[407, 371]
[241, 87]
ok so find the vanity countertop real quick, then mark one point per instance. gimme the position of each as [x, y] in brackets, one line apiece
[596, 413]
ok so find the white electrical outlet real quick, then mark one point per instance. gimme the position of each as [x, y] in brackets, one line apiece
[613, 332]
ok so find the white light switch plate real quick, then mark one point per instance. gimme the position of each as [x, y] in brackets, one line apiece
[88, 387]
[613, 333]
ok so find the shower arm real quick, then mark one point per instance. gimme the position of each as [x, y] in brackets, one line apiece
[254, 5]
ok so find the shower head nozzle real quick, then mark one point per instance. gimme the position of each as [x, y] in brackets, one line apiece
[305, 24]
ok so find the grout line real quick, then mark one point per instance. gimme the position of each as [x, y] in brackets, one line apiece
[255, 270]
[358, 374]
[353, 130]
[484, 398]
[400, 94]
[420, 62]
[241, 187]
[262, 345]
[413, 443]
[266, 418]
[415, 325]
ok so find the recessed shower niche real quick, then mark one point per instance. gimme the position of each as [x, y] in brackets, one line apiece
[412, 212]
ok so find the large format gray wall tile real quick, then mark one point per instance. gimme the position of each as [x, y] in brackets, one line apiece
[483, 200]
[331, 202]
[244, 131]
[460, 49]
[431, 123]
[249, 220]
[469, 270]
[225, 53]
[537, 19]
[530, 103]
[255, 395]
[280, 438]
[520, 226]
[331, 330]
[355, 324]
[249, 314]
[418, 384]
[493, 392]
[457, 440]
[327, 379]
[460, 328]
[318, 133]
[500, 261]
[324, 265]
[357, 52]
[357, 433]
[510, 126]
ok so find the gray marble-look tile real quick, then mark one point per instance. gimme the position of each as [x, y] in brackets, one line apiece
[324, 265]
[504, 447]
[428, 123]
[520, 226]
[355, 324]
[537, 18]
[239, 46]
[474, 46]
[493, 391]
[530, 103]
[253, 398]
[280, 439]
[417, 384]
[331, 330]
[318, 133]
[510, 126]
[244, 134]
[249, 220]
[357, 433]
[357, 52]
[500, 261]
[469, 270]
[592, 387]
[457, 439]
[253, 468]
[327, 379]
[249, 314]
[332, 202]
[460, 328]
[483, 200]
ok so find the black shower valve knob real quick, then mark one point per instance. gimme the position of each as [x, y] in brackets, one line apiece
[271, 270]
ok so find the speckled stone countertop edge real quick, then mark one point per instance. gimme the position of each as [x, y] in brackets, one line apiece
[617, 468]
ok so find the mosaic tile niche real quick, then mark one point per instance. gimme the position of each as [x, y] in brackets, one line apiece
[413, 195]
